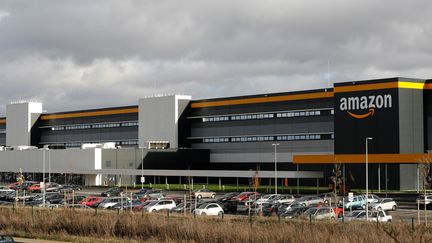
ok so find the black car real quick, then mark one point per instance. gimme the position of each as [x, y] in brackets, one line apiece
[69, 188]
[227, 197]
[6, 239]
[293, 212]
[112, 192]
[69, 200]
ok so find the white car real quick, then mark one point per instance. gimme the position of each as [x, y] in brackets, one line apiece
[372, 198]
[424, 200]
[283, 198]
[213, 209]
[266, 198]
[384, 204]
[5, 189]
[109, 202]
[160, 205]
[375, 216]
[321, 213]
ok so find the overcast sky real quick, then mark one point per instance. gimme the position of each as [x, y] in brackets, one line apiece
[90, 54]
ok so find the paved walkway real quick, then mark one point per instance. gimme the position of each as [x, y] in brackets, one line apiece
[25, 240]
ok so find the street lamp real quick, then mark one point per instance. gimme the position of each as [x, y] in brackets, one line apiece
[367, 177]
[275, 160]
[45, 147]
[142, 168]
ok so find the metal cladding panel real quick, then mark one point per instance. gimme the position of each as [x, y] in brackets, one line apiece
[411, 121]
[264, 127]
[370, 113]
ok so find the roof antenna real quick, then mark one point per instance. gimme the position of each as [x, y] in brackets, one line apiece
[328, 73]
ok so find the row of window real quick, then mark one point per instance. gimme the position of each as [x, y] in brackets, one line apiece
[266, 138]
[117, 143]
[99, 125]
[264, 116]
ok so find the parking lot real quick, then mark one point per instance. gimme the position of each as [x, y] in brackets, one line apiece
[210, 203]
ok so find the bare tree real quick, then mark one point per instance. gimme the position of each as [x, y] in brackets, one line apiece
[336, 178]
[425, 170]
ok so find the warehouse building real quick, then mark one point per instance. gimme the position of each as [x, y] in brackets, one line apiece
[173, 137]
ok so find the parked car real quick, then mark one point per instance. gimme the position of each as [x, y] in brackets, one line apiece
[283, 198]
[227, 197]
[109, 202]
[5, 189]
[374, 216]
[355, 215]
[112, 192]
[203, 193]
[321, 213]
[127, 205]
[181, 207]
[266, 198]
[358, 202]
[69, 188]
[160, 205]
[293, 212]
[424, 200]
[91, 201]
[384, 204]
[246, 196]
[49, 187]
[6, 239]
[372, 198]
[308, 200]
[74, 200]
[284, 207]
[246, 207]
[211, 209]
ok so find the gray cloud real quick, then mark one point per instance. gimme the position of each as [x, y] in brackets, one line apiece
[86, 54]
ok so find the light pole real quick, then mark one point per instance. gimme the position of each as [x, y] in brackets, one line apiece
[142, 168]
[367, 177]
[49, 167]
[275, 160]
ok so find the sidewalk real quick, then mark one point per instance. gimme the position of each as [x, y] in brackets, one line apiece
[25, 240]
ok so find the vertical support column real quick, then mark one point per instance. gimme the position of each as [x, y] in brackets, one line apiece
[386, 179]
[317, 184]
[344, 179]
[237, 184]
[418, 178]
[220, 184]
[379, 177]
[298, 181]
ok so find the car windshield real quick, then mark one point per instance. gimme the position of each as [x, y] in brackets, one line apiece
[152, 203]
[354, 214]
[311, 211]
[203, 206]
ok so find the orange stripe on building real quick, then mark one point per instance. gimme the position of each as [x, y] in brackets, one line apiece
[89, 113]
[3, 121]
[245, 101]
[361, 158]
[378, 86]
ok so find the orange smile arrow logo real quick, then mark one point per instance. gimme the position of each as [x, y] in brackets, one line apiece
[362, 116]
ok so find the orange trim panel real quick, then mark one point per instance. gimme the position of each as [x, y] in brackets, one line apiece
[89, 113]
[3, 121]
[245, 101]
[361, 158]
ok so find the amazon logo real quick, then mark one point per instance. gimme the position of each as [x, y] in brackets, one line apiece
[365, 106]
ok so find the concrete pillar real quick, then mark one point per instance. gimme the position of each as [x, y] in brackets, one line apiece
[93, 180]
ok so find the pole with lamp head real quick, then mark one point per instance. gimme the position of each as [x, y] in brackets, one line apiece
[275, 160]
[367, 177]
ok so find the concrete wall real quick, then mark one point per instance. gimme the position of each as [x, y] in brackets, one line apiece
[79, 161]
[20, 119]
[158, 119]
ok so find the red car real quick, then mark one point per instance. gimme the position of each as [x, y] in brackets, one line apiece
[34, 188]
[246, 195]
[91, 201]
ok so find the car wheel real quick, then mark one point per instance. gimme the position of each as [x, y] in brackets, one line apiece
[363, 206]
[326, 202]
[220, 213]
[199, 196]
[153, 211]
[213, 196]
[394, 208]
[379, 208]
[203, 214]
